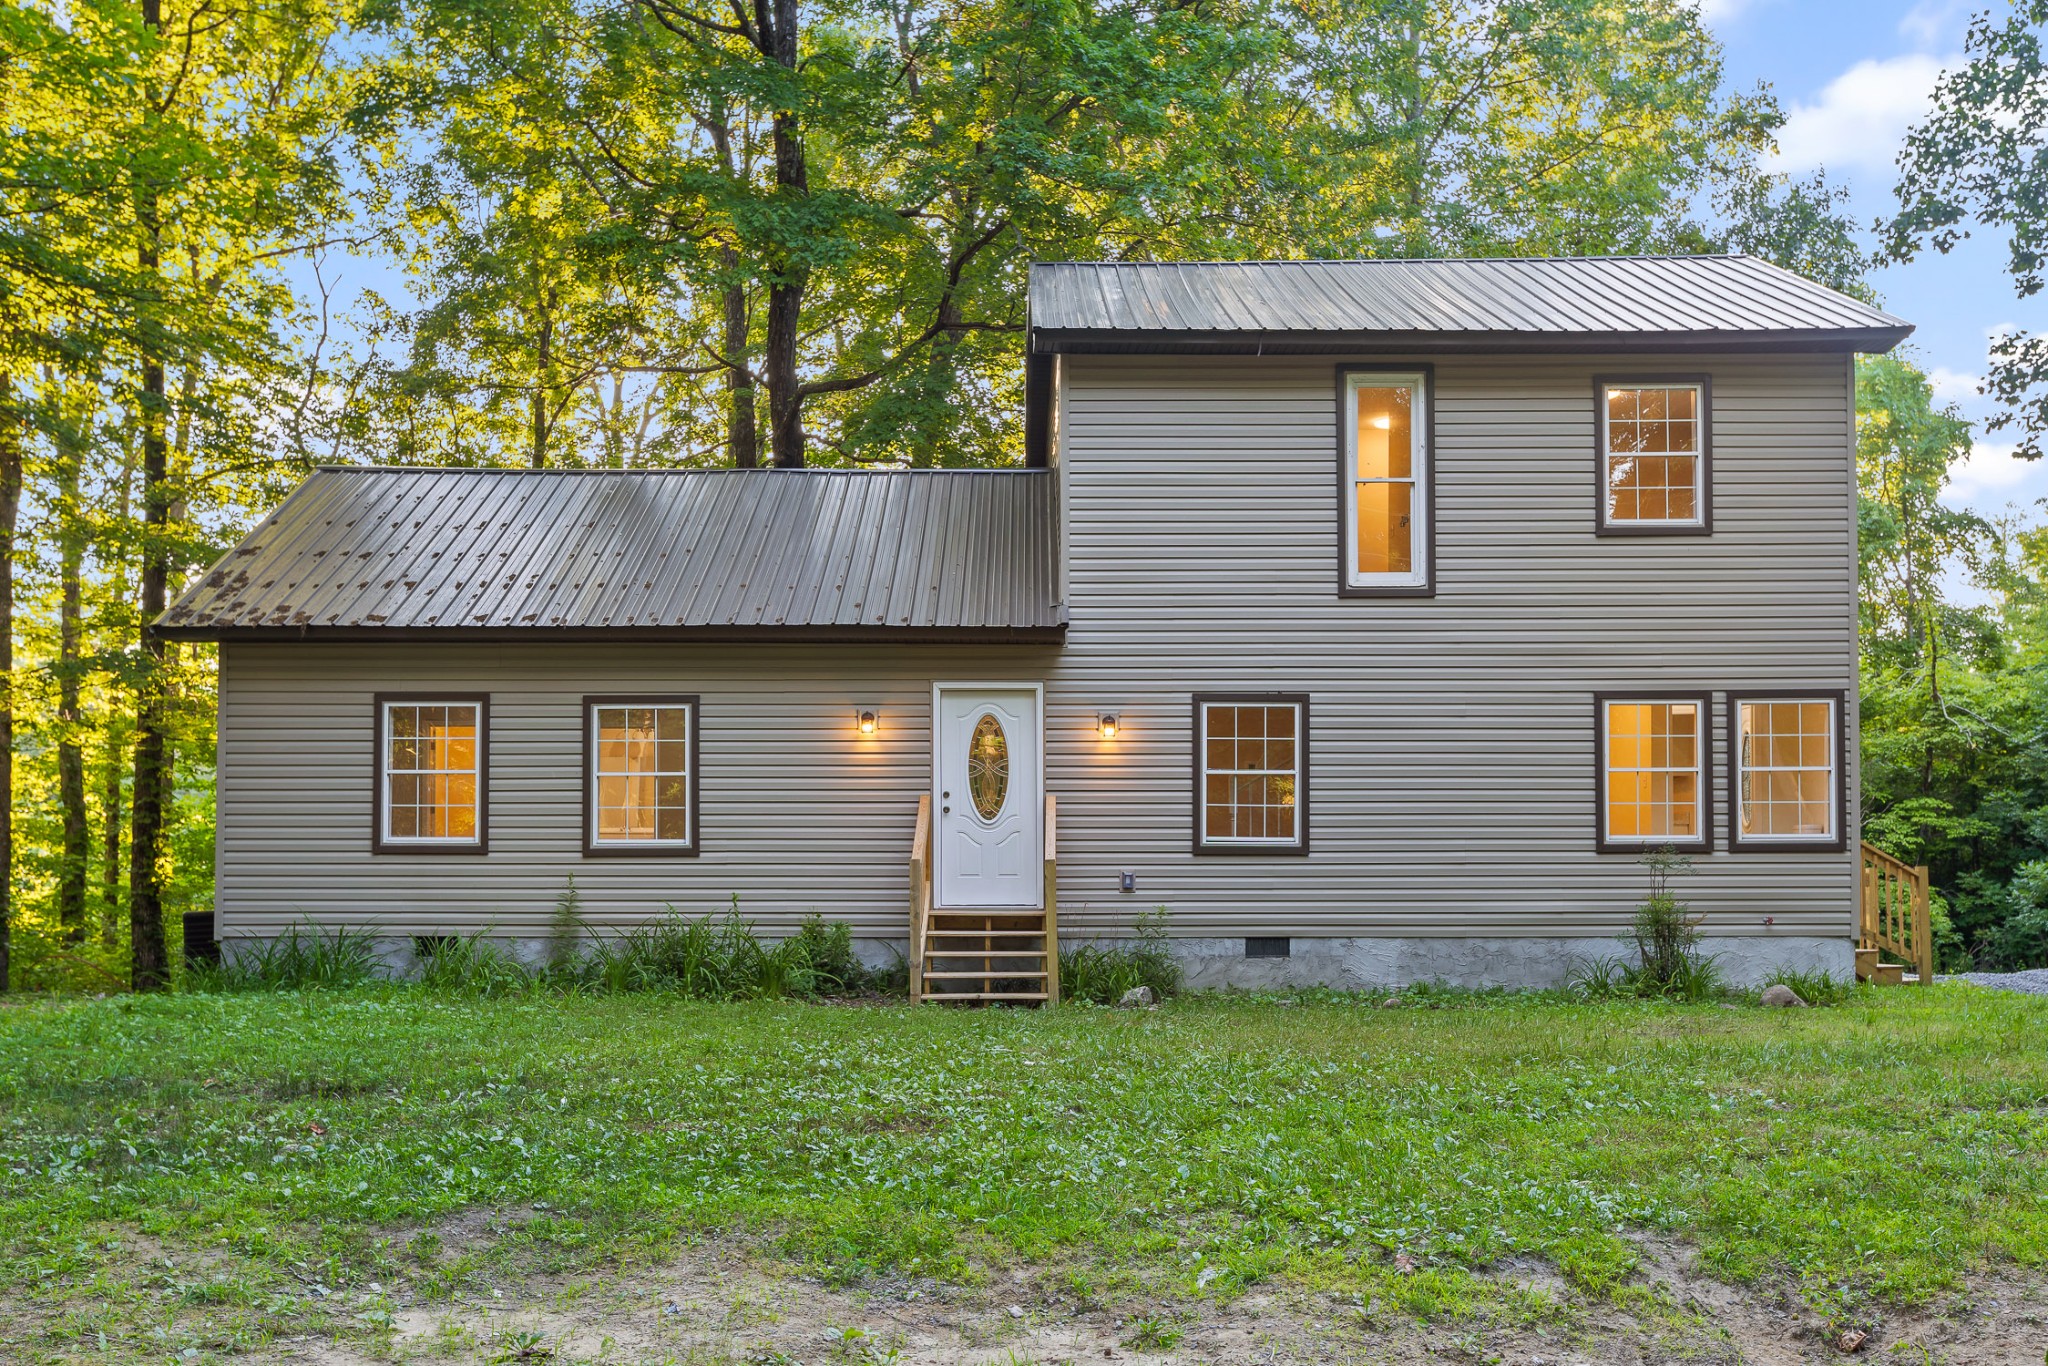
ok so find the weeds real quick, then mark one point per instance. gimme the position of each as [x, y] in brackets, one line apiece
[301, 959]
[708, 959]
[1102, 973]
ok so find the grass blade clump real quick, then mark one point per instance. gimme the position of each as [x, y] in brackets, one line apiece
[1103, 972]
[724, 960]
[301, 959]
[474, 965]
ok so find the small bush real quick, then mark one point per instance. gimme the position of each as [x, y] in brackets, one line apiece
[1666, 938]
[300, 959]
[1102, 973]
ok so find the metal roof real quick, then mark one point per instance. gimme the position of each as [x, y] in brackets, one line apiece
[720, 554]
[1506, 303]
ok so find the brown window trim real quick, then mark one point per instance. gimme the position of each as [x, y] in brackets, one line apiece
[1704, 699]
[1839, 841]
[1601, 526]
[1300, 846]
[379, 757]
[1427, 588]
[591, 848]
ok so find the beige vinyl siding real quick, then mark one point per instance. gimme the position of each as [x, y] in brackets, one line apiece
[1451, 750]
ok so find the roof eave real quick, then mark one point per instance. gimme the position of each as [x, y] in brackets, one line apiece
[1037, 633]
[1080, 341]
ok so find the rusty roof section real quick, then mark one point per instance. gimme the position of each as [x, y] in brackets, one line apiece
[1502, 304]
[709, 554]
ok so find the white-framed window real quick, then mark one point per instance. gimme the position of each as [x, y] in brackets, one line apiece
[1251, 773]
[1652, 781]
[1386, 480]
[432, 773]
[1786, 784]
[1654, 448]
[640, 792]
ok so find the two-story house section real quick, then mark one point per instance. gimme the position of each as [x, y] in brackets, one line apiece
[1372, 618]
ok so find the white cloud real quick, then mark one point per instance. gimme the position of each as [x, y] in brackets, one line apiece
[1722, 11]
[1861, 118]
[1936, 23]
[1990, 476]
[1951, 386]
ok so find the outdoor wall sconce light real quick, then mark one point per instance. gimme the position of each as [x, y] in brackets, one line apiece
[867, 722]
[1106, 724]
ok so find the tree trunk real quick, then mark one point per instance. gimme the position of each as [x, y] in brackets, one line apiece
[544, 347]
[149, 960]
[778, 26]
[110, 836]
[71, 869]
[740, 434]
[10, 509]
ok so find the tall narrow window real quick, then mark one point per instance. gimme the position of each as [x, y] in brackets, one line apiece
[1786, 782]
[1653, 455]
[1386, 514]
[1251, 765]
[641, 761]
[430, 774]
[1653, 772]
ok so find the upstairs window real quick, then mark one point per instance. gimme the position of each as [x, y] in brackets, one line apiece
[1652, 786]
[1251, 755]
[1654, 456]
[642, 765]
[431, 770]
[1787, 780]
[1386, 482]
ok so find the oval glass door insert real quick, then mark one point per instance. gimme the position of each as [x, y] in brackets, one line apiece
[988, 766]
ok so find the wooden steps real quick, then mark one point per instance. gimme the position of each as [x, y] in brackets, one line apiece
[1893, 921]
[984, 955]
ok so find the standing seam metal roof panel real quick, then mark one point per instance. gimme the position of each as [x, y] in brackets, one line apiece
[1735, 299]
[356, 552]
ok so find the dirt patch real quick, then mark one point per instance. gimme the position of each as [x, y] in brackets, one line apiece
[447, 1294]
[722, 1302]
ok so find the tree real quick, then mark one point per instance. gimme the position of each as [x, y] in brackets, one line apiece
[1982, 156]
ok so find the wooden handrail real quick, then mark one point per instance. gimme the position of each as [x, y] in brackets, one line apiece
[1896, 912]
[920, 893]
[1052, 918]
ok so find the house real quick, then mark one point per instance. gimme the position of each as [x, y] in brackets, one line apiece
[1372, 617]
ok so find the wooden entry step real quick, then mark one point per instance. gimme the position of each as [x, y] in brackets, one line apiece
[1010, 954]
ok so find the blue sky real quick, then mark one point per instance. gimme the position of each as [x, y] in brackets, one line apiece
[1853, 75]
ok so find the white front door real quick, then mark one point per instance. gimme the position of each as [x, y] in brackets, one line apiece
[989, 794]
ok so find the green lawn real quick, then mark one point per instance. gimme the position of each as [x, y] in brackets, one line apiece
[1886, 1147]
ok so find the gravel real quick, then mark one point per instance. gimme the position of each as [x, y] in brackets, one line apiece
[2034, 981]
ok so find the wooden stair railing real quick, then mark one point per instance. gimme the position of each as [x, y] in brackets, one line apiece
[1894, 921]
[920, 894]
[986, 955]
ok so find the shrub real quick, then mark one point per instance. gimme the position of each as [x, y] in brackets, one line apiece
[1102, 973]
[1666, 937]
[300, 959]
[1666, 940]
